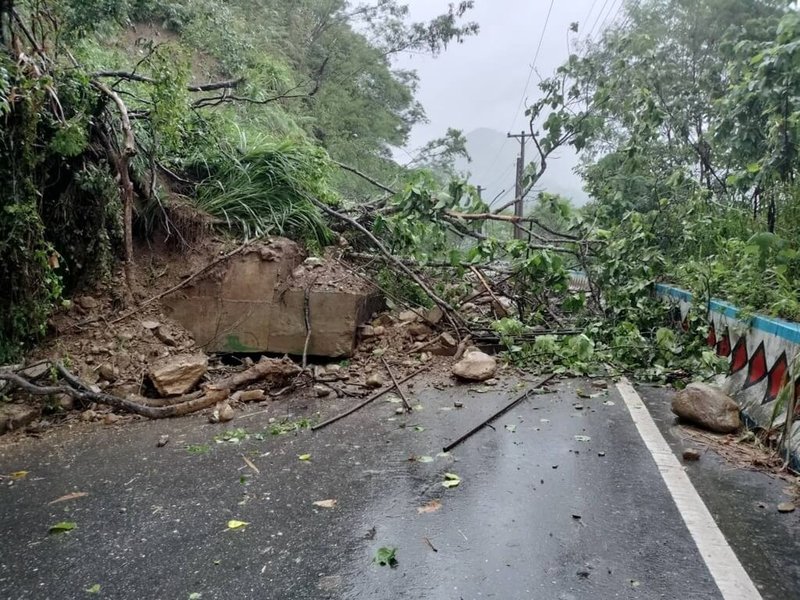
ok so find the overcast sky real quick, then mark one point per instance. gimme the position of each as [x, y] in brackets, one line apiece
[484, 81]
[481, 82]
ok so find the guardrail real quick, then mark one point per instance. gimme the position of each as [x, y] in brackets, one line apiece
[760, 351]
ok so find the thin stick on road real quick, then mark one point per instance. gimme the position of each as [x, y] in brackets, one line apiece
[406, 403]
[366, 402]
[499, 413]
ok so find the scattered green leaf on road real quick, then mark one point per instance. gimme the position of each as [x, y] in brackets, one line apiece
[63, 527]
[451, 480]
[386, 557]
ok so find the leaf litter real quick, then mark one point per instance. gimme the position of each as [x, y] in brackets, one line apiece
[451, 480]
[429, 507]
[70, 496]
[386, 557]
[250, 464]
[63, 527]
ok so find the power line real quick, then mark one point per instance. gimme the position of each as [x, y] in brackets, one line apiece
[629, 17]
[535, 58]
[502, 176]
[616, 14]
[589, 14]
[597, 19]
[528, 81]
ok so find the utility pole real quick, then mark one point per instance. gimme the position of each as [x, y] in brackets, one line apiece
[520, 187]
[480, 189]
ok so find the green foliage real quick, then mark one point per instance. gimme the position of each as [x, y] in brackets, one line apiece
[29, 280]
[71, 139]
[386, 557]
[574, 355]
[168, 97]
[439, 155]
[314, 78]
[59, 216]
[418, 223]
[509, 329]
[755, 279]
[687, 114]
[265, 189]
[361, 104]
[288, 426]
[401, 288]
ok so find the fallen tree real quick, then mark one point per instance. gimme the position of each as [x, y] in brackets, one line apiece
[273, 372]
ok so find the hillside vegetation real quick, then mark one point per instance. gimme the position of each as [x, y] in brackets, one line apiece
[278, 117]
[120, 117]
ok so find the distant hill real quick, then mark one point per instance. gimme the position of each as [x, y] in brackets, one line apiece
[493, 164]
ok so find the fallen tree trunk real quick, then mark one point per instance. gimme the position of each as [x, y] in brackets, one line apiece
[271, 370]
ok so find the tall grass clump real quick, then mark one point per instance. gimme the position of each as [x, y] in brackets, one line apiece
[263, 188]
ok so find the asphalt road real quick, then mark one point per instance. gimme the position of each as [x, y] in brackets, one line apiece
[539, 513]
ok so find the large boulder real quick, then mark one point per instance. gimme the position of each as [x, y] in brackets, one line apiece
[259, 300]
[475, 366]
[179, 374]
[708, 407]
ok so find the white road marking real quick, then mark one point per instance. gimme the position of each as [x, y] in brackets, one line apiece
[732, 580]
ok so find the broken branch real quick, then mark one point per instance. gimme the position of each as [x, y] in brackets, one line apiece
[365, 177]
[307, 319]
[369, 400]
[123, 161]
[267, 369]
[500, 309]
[449, 310]
[498, 414]
[406, 403]
[202, 87]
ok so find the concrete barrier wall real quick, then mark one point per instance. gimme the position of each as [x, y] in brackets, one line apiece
[761, 352]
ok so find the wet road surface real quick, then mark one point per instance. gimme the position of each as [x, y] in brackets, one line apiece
[555, 503]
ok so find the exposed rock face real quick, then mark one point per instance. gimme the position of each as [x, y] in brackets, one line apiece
[475, 366]
[707, 407]
[178, 375]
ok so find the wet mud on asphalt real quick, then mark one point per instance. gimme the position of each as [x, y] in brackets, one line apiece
[539, 513]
